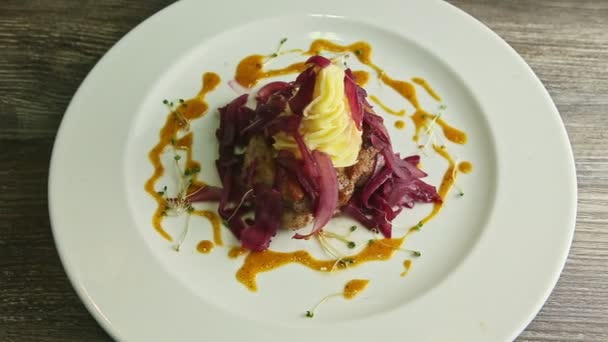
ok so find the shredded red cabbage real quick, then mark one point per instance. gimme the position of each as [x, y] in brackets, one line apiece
[306, 87]
[394, 184]
[206, 193]
[354, 100]
[267, 221]
[273, 88]
[327, 185]
[318, 60]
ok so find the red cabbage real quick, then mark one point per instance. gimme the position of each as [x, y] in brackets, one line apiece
[354, 101]
[319, 61]
[267, 221]
[285, 123]
[306, 83]
[394, 184]
[310, 164]
[289, 162]
[263, 114]
[273, 88]
[205, 193]
[327, 184]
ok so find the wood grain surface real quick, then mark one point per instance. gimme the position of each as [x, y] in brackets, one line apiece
[48, 47]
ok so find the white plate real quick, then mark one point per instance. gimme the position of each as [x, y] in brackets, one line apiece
[490, 259]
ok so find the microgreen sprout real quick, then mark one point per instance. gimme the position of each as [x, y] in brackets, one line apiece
[404, 250]
[178, 245]
[277, 53]
[236, 209]
[311, 313]
[343, 238]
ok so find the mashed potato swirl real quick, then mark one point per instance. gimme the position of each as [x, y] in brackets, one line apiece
[327, 124]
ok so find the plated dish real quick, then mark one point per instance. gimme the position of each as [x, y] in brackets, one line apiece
[488, 261]
[295, 154]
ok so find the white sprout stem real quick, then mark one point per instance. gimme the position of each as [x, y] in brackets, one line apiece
[401, 249]
[430, 126]
[333, 249]
[194, 192]
[183, 236]
[240, 204]
[343, 238]
[325, 299]
[325, 247]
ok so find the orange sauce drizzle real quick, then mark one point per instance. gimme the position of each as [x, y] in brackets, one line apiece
[354, 287]
[400, 124]
[449, 178]
[465, 167]
[248, 72]
[363, 52]
[215, 221]
[176, 122]
[260, 262]
[424, 84]
[423, 119]
[204, 247]
[386, 108]
[237, 251]
[407, 265]
[251, 69]
[268, 260]
[361, 77]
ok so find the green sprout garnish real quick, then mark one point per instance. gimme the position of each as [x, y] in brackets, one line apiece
[339, 237]
[165, 102]
[353, 228]
[177, 157]
[163, 191]
[311, 313]
[189, 172]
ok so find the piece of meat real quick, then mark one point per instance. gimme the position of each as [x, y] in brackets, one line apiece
[297, 211]
[364, 167]
[346, 186]
[260, 151]
[293, 220]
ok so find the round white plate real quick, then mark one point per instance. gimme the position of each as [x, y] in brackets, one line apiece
[489, 260]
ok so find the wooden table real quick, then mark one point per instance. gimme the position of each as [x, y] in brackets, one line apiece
[48, 47]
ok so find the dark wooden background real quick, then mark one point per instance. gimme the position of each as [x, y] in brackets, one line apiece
[48, 47]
